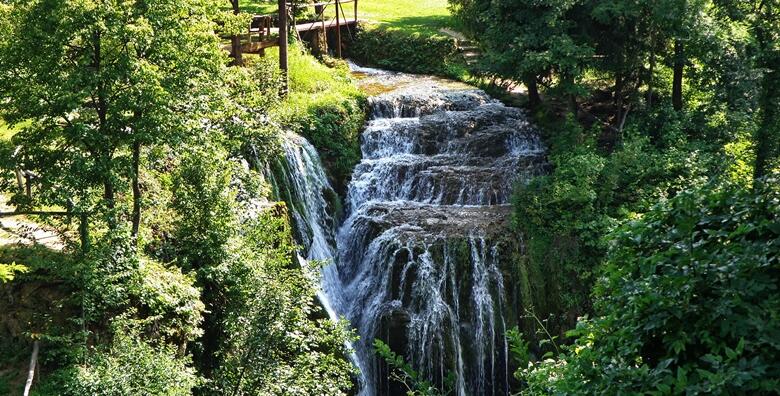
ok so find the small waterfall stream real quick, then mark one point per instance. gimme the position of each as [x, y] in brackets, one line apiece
[417, 261]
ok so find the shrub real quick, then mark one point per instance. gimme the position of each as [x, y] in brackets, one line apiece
[276, 339]
[204, 203]
[116, 281]
[409, 52]
[687, 303]
[129, 367]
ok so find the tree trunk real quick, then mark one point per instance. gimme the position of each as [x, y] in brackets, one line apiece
[235, 51]
[84, 232]
[767, 136]
[677, 79]
[573, 105]
[136, 190]
[235, 40]
[618, 97]
[650, 86]
[31, 372]
[108, 197]
[533, 92]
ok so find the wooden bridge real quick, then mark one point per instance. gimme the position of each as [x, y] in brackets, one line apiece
[262, 33]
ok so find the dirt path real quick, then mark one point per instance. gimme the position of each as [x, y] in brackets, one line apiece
[21, 230]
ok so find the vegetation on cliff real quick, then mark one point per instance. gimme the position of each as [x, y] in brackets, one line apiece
[645, 262]
[660, 119]
[176, 274]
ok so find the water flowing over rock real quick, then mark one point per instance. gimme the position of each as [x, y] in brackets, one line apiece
[418, 260]
[418, 256]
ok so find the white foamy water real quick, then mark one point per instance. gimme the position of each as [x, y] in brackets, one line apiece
[415, 262]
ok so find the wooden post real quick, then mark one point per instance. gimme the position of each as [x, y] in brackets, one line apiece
[319, 10]
[84, 231]
[338, 29]
[283, 44]
[356, 12]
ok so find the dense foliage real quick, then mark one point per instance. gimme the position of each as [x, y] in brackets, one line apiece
[269, 307]
[661, 97]
[686, 303]
[640, 103]
[412, 52]
[135, 140]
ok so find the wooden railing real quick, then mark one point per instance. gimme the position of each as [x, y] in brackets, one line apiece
[320, 8]
[261, 25]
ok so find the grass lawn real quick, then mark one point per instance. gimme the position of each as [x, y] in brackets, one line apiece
[5, 131]
[414, 16]
[421, 16]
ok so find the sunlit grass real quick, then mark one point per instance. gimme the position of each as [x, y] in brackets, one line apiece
[312, 83]
[414, 16]
[6, 132]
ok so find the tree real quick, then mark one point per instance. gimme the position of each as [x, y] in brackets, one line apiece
[528, 41]
[99, 82]
[687, 303]
[763, 20]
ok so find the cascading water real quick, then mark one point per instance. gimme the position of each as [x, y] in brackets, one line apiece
[417, 260]
[418, 256]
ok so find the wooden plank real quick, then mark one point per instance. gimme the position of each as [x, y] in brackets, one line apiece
[305, 27]
[326, 3]
[256, 47]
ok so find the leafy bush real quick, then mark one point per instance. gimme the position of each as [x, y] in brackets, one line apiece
[163, 301]
[687, 303]
[276, 339]
[565, 214]
[129, 367]
[203, 200]
[395, 49]
[8, 271]
[326, 108]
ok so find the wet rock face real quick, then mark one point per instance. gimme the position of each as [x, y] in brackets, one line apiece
[418, 263]
[471, 156]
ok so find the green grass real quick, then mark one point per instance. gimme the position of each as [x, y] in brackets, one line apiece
[413, 16]
[6, 132]
[258, 7]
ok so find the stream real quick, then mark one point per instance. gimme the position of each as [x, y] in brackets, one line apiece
[419, 259]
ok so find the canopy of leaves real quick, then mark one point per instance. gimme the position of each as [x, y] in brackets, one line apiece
[688, 303]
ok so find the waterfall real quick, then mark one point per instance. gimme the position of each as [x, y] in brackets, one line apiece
[417, 262]
[306, 189]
